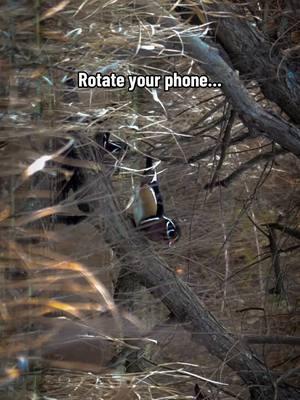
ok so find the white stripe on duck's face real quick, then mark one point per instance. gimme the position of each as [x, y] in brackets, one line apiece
[172, 231]
[170, 228]
[145, 204]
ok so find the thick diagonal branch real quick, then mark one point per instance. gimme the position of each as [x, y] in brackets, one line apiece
[253, 55]
[254, 116]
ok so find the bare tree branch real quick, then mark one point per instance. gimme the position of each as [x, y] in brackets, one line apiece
[273, 73]
[251, 113]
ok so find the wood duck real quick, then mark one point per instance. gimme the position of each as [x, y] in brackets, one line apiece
[148, 209]
[77, 180]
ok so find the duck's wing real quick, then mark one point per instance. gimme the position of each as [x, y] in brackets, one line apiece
[145, 204]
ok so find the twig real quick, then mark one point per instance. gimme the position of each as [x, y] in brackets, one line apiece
[258, 339]
[224, 145]
[286, 229]
[279, 288]
[247, 165]
[205, 116]
[210, 150]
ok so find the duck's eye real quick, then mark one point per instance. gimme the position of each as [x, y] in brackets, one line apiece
[171, 234]
[171, 231]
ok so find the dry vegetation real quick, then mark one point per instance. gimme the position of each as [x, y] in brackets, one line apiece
[231, 186]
